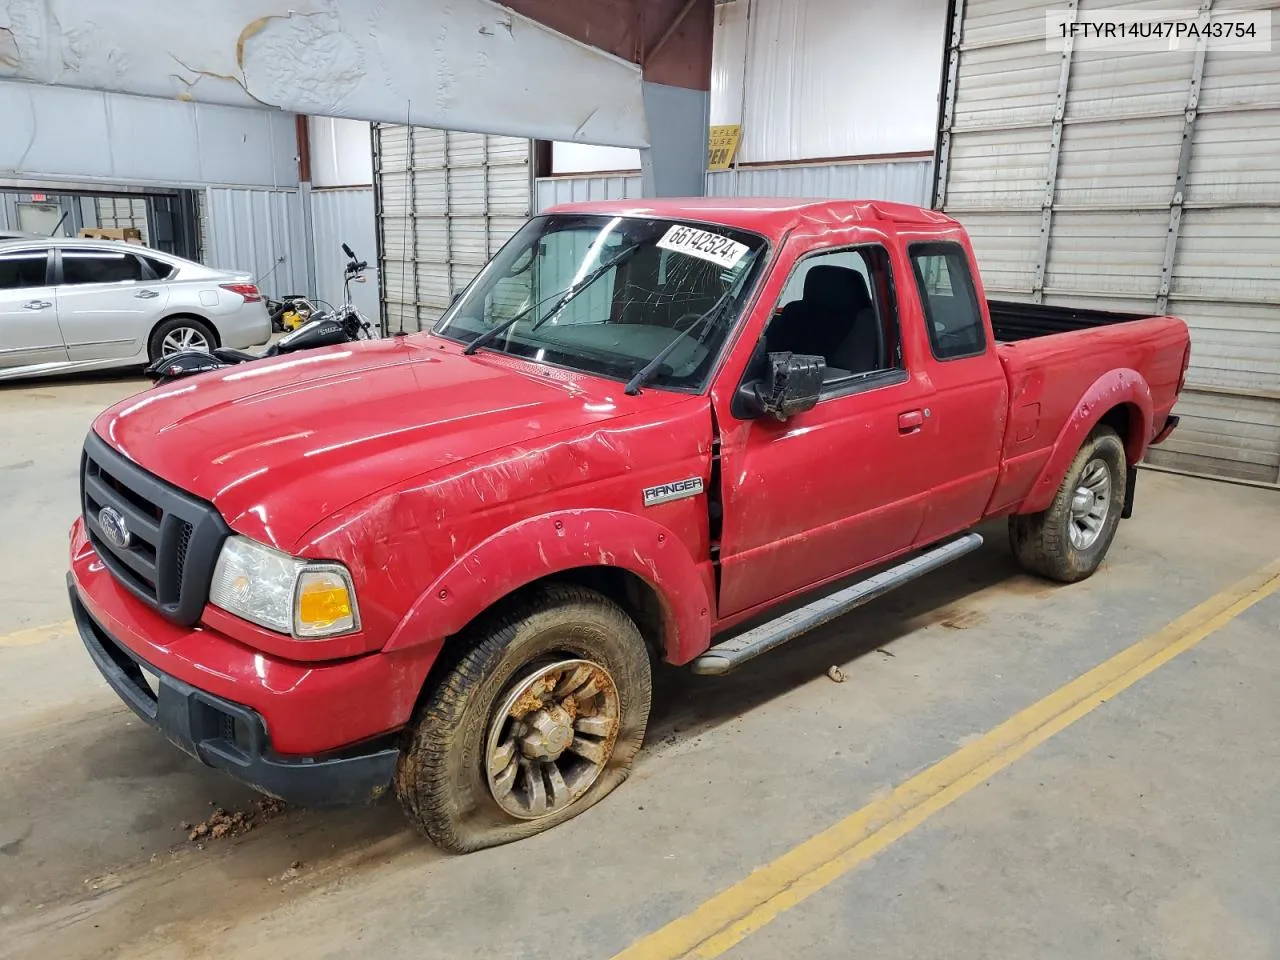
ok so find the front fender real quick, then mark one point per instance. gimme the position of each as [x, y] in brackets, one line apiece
[1122, 387]
[553, 543]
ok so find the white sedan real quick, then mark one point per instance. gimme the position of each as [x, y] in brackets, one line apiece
[93, 304]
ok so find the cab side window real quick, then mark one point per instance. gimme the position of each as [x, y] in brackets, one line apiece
[839, 305]
[950, 303]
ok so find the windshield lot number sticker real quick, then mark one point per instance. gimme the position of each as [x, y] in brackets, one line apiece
[703, 245]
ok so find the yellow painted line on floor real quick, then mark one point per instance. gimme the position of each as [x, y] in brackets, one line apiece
[34, 635]
[731, 916]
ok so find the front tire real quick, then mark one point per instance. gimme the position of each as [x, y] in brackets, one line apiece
[1068, 541]
[539, 719]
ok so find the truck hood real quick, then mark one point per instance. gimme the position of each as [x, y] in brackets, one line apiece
[279, 445]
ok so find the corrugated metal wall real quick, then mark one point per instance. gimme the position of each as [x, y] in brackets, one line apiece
[339, 216]
[446, 202]
[1135, 181]
[260, 232]
[557, 190]
[906, 181]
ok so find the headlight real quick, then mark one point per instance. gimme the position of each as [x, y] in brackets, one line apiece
[279, 592]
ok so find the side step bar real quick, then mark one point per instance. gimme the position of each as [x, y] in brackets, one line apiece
[724, 657]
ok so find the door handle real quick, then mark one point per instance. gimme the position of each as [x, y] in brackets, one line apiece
[37, 304]
[146, 294]
[911, 421]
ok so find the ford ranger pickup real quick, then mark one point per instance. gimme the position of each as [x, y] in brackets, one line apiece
[444, 563]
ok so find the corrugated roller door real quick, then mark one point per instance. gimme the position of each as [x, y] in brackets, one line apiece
[446, 202]
[1071, 174]
[122, 213]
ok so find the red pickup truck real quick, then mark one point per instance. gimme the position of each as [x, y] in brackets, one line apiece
[446, 561]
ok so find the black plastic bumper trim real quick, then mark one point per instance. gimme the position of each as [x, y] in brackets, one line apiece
[229, 736]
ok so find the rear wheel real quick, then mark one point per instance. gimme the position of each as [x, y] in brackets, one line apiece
[1068, 541]
[539, 719]
[177, 334]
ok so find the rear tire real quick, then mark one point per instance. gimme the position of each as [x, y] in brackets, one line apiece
[170, 336]
[448, 780]
[1068, 541]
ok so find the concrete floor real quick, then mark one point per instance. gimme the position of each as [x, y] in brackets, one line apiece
[1147, 829]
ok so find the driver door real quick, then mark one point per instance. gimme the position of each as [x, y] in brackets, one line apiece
[840, 486]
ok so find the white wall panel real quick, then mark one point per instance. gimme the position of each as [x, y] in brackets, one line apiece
[817, 74]
[556, 190]
[83, 135]
[904, 181]
[338, 217]
[341, 152]
[259, 232]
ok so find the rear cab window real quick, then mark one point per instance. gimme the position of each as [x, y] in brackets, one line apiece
[23, 269]
[950, 302]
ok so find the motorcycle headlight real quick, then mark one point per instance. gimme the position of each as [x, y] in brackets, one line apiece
[274, 590]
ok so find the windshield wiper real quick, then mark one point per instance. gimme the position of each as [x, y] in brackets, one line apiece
[649, 369]
[565, 296]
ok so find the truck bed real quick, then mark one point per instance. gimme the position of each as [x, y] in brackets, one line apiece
[1012, 321]
[1055, 356]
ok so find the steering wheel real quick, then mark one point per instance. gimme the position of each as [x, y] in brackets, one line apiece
[689, 317]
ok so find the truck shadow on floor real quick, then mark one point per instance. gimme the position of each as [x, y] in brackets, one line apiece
[685, 705]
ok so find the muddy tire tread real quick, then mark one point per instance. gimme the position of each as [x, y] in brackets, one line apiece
[425, 785]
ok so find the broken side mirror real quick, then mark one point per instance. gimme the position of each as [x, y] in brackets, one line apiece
[792, 384]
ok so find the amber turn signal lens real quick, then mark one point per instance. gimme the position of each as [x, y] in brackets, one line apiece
[325, 604]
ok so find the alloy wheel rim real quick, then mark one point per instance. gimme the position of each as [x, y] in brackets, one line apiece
[1090, 504]
[183, 338]
[551, 738]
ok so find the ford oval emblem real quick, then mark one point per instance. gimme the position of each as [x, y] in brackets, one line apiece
[114, 528]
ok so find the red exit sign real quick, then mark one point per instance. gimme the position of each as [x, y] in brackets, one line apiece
[39, 197]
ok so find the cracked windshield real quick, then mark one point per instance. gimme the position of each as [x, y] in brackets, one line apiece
[646, 301]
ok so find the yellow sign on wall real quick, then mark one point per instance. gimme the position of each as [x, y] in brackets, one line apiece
[723, 145]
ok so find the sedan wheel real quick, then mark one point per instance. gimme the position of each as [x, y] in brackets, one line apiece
[183, 338]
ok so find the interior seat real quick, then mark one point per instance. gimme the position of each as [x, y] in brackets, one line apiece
[834, 319]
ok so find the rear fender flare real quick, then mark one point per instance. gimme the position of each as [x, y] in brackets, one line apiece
[542, 546]
[1116, 387]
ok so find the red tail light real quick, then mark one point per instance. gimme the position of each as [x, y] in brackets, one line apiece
[247, 290]
[1186, 363]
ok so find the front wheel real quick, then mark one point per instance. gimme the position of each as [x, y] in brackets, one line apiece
[1068, 541]
[539, 719]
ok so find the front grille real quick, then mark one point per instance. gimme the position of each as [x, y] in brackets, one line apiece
[166, 559]
[184, 544]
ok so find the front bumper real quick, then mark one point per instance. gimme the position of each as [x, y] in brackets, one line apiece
[230, 736]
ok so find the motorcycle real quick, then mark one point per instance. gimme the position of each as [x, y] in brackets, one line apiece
[344, 325]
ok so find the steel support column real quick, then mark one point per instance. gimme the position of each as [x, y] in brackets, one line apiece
[942, 162]
[1184, 163]
[1055, 152]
